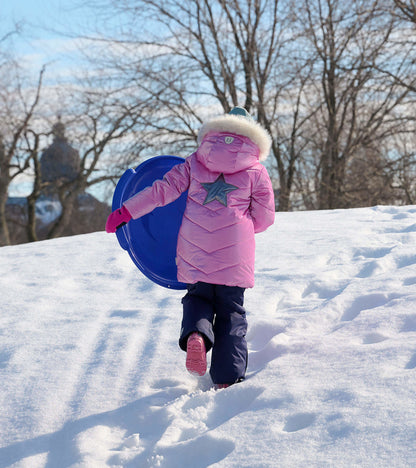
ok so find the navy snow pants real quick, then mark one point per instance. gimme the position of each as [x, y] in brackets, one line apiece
[217, 313]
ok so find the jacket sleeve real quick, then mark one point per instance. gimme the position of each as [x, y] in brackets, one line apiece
[161, 193]
[262, 208]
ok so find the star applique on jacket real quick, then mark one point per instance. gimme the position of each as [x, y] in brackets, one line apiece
[218, 190]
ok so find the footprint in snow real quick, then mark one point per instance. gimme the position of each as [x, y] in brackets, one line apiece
[257, 360]
[299, 421]
[373, 253]
[367, 302]
[401, 216]
[125, 314]
[340, 397]
[323, 291]
[409, 281]
[409, 324]
[412, 363]
[406, 261]
[5, 357]
[188, 434]
[200, 452]
[219, 408]
[370, 268]
[337, 428]
[411, 228]
[260, 333]
[165, 382]
[374, 338]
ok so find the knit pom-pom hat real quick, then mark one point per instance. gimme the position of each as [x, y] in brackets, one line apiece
[240, 111]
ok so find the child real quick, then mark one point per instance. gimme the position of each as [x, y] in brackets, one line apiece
[230, 198]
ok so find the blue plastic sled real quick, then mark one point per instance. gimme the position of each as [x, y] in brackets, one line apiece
[151, 240]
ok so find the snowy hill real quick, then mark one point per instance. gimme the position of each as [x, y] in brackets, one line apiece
[91, 374]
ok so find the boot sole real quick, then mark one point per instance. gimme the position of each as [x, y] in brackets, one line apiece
[196, 359]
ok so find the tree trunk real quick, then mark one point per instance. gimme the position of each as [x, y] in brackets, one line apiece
[4, 229]
[4, 185]
[68, 195]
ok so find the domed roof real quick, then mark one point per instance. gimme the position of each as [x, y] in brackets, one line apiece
[60, 161]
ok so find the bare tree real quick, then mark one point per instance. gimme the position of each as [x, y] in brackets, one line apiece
[195, 58]
[101, 123]
[323, 76]
[407, 9]
[356, 105]
[17, 114]
[33, 151]
[309, 72]
[404, 12]
[402, 166]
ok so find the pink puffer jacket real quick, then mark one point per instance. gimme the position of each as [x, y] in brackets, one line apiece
[230, 198]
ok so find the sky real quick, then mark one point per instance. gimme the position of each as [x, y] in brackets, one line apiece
[17, 10]
[42, 13]
[43, 24]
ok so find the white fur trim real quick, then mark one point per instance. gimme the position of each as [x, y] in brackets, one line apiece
[241, 126]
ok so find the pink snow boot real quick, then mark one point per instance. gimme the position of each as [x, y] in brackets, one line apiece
[196, 355]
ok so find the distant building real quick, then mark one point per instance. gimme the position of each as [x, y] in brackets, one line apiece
[60, 163]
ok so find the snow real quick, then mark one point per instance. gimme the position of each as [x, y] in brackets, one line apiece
[91, 374]
[48, 210]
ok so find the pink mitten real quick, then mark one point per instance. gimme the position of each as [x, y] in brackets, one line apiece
[117, 219]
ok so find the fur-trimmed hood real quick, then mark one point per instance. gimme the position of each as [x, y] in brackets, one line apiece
[241, 126]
